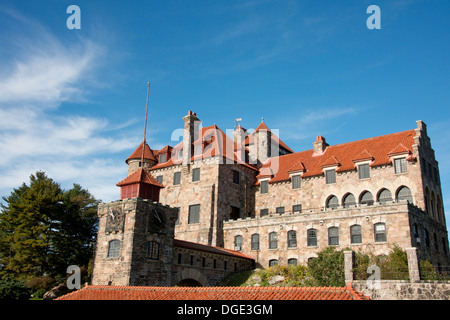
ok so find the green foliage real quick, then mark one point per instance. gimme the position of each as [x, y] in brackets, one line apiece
[14, 290]
[44, 229]
[328, 268]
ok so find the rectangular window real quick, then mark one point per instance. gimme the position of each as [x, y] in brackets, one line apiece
[180, 154]
[364, 171]
[178, 216]
[160, 179]
[263, 212]
[312, 237]
[196, 174]
[264, 186]
[176, 178]
[296, 182]
[380, 232]
[280, 210]
[273, 241]
[194, 214]
[333, 236]
[162, 158]
[330, 176]
[297, 208]
[235, 177]
[255, 241]
[400, 165]
[198, 150]
[235, 213]
[152, 250]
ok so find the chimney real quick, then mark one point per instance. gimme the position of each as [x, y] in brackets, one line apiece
[239, 135]
[191, 128]
[319, 145]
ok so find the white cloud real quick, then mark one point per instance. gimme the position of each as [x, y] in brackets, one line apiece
[40, 72]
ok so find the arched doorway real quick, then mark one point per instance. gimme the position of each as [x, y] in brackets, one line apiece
[189, 283]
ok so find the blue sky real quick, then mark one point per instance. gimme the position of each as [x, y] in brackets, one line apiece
[72, 102]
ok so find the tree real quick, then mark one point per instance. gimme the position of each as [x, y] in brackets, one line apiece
[328, 268]
[44, 229]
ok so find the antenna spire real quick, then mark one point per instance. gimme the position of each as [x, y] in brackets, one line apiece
[145, 126]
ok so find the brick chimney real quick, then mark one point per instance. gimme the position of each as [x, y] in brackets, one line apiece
[191, 129]
[319, 145]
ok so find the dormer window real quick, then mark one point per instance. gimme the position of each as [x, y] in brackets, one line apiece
[180, 154]
[330, 176]
[163, 158]
[400, 165]
[198, 149]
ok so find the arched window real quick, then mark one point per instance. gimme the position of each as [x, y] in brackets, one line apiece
[238, 243]
[312, 237]
[255, 241]
[432, 205]
[292, 262]
[273, 262]
[384, 196]
[273, 243]
[292, 239]
[332, 202]
[366, 198]
[355, 233]
[333, 236]
[404, 193]
[152, 250]
[349, 200]
[113, 248]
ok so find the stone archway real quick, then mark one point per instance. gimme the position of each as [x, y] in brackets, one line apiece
[190, 276]
[189, 283]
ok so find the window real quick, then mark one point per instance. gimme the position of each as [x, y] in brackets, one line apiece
[384, 196]
[178, 216]
[264, 186]
[330, 176]
[176, 178]
[192, 260]
[366, 198]
[198, 150]
[296, 208]
[215, 264]
[444, 246]
[292, 239]
[333, 236]
[435, 242]
[180, 256]
[404, 193]
[292, 262]
[238, 243]
[196, 174]
[152, 250]
[203, 262]
[235, 177]
[400, 165]
[113, 248]
[426, 236]
[263, 212]
[355, 234]
[162, 157]
[273, 262]
[380, 232]
[235, 213]
[273, 243]
[364, 171]
[296, 182]
[160, 179]
[332, 202]
[225, 265]
[180, 154]
[312, 237]
[349, 201]
[255, 241]
[280, 210]
[194, 214]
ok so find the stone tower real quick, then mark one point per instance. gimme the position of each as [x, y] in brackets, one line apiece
[135, 159]
[261, 149]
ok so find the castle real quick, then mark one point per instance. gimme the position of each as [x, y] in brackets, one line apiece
[217, 203]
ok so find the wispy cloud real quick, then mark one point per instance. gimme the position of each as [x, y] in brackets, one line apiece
[40, 72]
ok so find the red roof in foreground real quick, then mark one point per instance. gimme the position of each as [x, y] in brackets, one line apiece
[214, 293]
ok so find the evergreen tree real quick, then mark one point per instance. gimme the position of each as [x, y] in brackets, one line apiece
[44, 229]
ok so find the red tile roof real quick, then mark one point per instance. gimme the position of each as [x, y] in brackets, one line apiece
[140, 176]
[275, 139]
[378, 149]
[137, 154]
[214, 293]
[211, 249]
